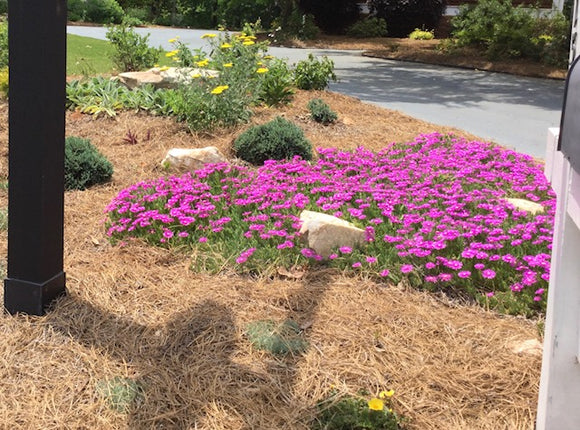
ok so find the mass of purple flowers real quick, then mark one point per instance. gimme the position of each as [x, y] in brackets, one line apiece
[434, 212]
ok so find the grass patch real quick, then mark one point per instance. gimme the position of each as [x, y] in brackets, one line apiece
[87, 56]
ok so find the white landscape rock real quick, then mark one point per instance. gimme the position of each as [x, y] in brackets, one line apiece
[184, 159]
[163, 77]
[323, 232]
[526, 205]
[530, 347]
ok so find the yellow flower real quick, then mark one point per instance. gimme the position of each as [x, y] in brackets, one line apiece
[376, 404]
[196, 75]
[220, 89]
[262, 70]
[202, 63]
[155, 65]
[384, 394]
[164, 68]
[173, 40]
[171, 53]
[251, 37]
[226, 45]
[228, 65]
[208, 35]
[248, 42]
[268, 57]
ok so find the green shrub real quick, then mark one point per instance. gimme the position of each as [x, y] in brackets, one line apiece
[278, 139]
[505, 31]
[139, 14]
[368, 27]
[3, 7]
[321, 112]
[77, 10]
[421, 35]
[120, 393]
[84, 165]
[103, 11]
[132, 51]
[4, 81]
[404, 16]
[3, 44]
[277, 87]
[314, 74]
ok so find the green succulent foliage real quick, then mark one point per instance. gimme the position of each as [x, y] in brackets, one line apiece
[120, 393]
[278, 139]
[321, 112]
[277, 338]
[84, 165]
[314, 73]
[132, 51]
[353, 413]
[368, 27]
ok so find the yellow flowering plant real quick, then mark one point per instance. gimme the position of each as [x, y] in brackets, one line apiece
[340, 412]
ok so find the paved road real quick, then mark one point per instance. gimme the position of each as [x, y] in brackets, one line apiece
[510, 110]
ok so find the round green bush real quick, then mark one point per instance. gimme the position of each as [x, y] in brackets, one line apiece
[321, 112]
[278, 139]
[84, 165]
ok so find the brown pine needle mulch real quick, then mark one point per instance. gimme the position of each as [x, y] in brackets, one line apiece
[139, 312]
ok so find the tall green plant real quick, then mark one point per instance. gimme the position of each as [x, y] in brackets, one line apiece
[314, 73]
[132, 51]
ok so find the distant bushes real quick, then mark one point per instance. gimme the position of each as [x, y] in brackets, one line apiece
[368, 27]
[505, 31]
[97, 11]
[403, 17]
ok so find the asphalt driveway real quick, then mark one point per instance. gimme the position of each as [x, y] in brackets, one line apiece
[511, 110]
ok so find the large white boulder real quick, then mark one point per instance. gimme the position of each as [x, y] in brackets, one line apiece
[323, 233]
[163, 77]
[188, 160]
[526, 205]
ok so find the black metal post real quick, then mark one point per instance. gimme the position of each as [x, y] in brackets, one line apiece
[37, 55]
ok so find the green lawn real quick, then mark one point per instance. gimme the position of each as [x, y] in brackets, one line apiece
[87, 56]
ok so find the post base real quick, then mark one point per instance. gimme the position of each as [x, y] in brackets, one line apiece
[32, 298]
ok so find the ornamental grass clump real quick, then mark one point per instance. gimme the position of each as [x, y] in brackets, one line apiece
[434, 211]
[278, 139]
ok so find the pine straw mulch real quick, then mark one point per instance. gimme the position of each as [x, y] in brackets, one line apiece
[427, 51]
[140, 312]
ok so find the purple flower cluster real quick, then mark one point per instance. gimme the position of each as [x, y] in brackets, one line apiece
[433, 208]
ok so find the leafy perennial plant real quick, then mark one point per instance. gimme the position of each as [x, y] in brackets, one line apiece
[434, 211]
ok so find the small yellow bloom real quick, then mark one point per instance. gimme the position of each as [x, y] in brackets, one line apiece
[155, 65]
[228, 65]
[376, 404]
[196, 75]
[226, 45]
[248, 42]
[173, 40]
[208, 35]
[251, 37]
[202, 63]
[268, 57]
[220, 89]
[171, 53]
[262, 70]
[164, 68]
[384, 394]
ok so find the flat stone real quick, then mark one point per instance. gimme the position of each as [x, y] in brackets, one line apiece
[163, 77]
[323, 233]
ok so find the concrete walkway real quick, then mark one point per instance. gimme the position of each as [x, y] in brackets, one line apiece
[511, 110]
